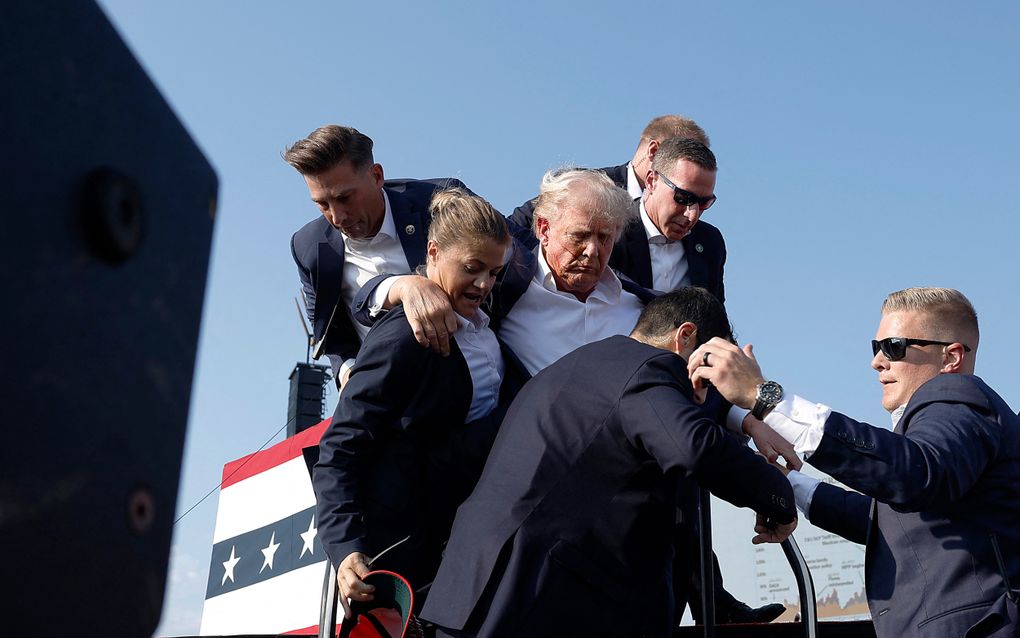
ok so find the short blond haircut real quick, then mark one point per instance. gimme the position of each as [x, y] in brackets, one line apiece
[667, 126]
[460, 217]
[585, 190]
[949, 315]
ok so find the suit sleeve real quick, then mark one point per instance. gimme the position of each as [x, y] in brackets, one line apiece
[360, 307]
[388, 373]
[306, 282]
[511, 283]
[524, 214]
[522, 233]
[946, 447]
[841, 512]
[662, 419]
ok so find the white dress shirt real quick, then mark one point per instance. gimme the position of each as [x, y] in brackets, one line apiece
[484, 360]
[669, 260]
[802, 424]
[366, 258]
[633, 184]
[546, 323]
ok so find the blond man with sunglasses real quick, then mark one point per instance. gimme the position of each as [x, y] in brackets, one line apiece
[938, 498]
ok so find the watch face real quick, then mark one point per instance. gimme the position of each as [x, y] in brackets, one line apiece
[770, 392]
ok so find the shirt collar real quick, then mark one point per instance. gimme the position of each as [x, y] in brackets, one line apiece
[897, 414]
[633, 184]
[472, 324]
[655, 236]
[608, 289]
[388, 228]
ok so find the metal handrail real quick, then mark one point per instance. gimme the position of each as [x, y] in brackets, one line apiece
[801, 571]
[707, 566]
[330, 603]
[805, 587]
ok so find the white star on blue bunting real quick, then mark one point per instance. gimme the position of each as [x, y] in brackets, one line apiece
[269, 552]
[308, 538]
[228, 567]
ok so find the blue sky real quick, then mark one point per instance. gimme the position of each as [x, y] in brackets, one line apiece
[863, 148]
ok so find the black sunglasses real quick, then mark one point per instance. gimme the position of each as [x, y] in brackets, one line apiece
[895, 348]
[685, 197]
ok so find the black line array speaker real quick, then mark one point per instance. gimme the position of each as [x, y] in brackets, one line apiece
[307, 396]
[107, 218]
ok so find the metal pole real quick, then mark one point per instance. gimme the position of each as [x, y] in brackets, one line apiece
[805, 587]
[330, 603]
[707, 564]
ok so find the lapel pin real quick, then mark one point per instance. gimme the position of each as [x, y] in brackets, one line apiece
[699, 248]
[409, 229]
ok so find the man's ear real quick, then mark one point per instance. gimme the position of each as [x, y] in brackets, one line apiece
[651, 150]
[542, 227]
[432, 251]
[377, 175]
[952, 358]
[685, 339]
[651, 179]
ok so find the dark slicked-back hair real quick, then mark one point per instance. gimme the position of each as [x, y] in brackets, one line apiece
[327, 146]
[664, 314]
[675, 149]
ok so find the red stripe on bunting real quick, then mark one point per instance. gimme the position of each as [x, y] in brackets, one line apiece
[252, 464]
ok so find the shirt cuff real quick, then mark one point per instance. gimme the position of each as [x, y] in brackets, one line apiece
[735, 419]
[378, 297]
[800, 422]
[804, 487]
[346, 366]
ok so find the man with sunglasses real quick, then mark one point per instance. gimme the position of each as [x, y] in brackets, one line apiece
[939, 501]
[670, 248]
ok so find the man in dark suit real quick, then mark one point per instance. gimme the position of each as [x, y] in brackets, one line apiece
[670, 247]
[939, 495]
[569, 531]
[653, 256]
[368, 226]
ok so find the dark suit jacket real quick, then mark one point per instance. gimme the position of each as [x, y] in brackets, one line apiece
[937, 487]
[704, 247]
[704, 250]
[569, 531]
[318, 251]
[398, 458]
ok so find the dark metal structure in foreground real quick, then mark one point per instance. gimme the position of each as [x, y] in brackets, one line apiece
[107, 220]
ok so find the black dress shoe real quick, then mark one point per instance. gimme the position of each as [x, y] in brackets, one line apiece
[742, 614]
